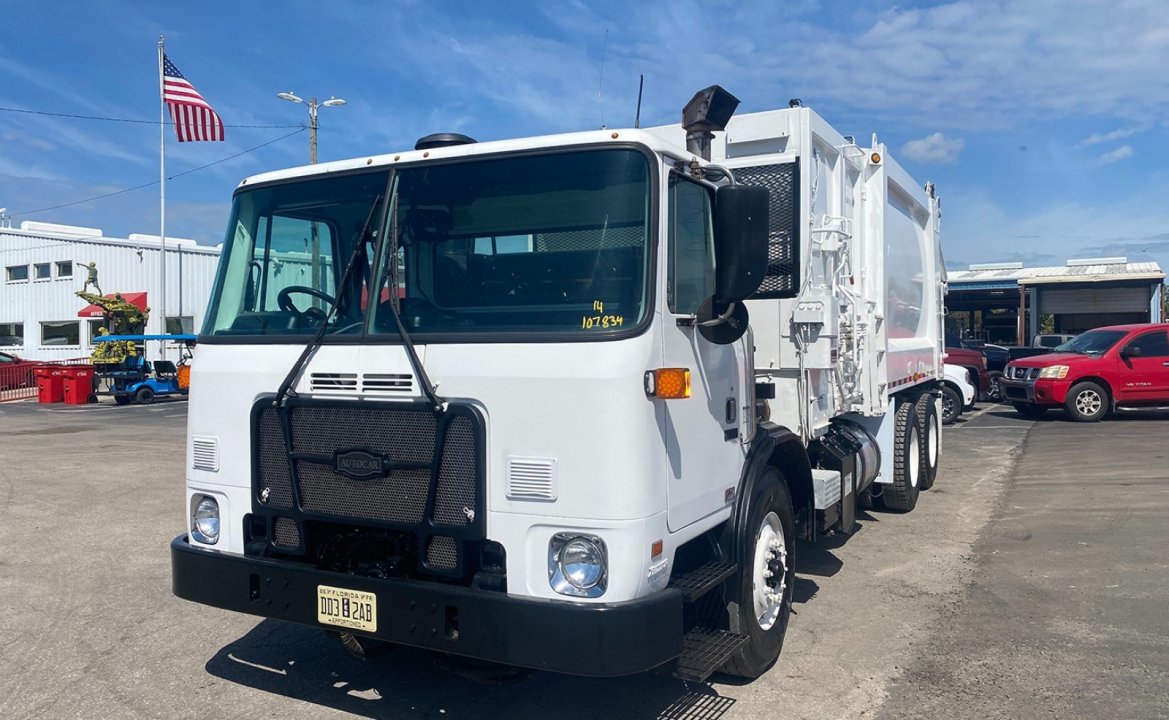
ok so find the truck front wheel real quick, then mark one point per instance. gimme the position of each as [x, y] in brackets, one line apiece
[1087, 402]
[1029, 411]
[761, 592]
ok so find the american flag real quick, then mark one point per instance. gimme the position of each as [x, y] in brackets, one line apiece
[194, 119]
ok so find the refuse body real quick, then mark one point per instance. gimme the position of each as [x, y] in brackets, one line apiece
[50, 383]
[78, 385]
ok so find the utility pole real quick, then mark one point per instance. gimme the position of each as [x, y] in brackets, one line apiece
[314, 232]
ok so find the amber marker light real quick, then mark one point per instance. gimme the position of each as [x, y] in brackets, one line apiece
[668, 383]
[656, 549]
[876, 158]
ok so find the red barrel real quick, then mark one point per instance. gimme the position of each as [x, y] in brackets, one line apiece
[50, 383]
[78, 385]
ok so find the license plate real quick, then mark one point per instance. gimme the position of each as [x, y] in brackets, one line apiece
[345, 608]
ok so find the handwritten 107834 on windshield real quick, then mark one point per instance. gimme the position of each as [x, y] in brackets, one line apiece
[600, 319]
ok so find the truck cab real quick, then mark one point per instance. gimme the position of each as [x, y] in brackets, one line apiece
[1109, 368]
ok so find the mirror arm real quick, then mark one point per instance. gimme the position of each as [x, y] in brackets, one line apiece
[720, 319]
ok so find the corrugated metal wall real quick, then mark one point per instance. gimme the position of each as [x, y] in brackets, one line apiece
[123, 266]
[1110, 299]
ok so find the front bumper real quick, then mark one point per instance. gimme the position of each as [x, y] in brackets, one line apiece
[599, 640]
[1042, 391]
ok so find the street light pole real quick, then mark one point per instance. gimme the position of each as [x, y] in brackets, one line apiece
[313, 107]
[314, 232]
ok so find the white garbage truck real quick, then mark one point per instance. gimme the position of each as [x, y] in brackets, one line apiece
[563, 402]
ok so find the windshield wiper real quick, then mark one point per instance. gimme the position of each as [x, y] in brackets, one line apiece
[437, 403]
[285, 390]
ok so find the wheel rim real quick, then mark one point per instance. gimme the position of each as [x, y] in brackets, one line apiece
[769, 572]
[1089, 402]
[947, 406]
[993, 392]
[932, 440]
[914, 457]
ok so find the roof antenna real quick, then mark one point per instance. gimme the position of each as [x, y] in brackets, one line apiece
[640, 87]
[601, 82]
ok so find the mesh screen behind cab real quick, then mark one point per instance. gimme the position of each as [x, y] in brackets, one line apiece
[782, 278]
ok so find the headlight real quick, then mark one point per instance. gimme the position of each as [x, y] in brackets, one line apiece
[205, 521]
[983, 362]
[578, 565]
[1055, 372]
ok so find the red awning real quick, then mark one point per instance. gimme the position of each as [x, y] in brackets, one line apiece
[137, 299]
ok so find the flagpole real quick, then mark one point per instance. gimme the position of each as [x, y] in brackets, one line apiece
[161, 195]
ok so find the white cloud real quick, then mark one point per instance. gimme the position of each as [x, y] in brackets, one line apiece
[936, 149]
[1120, 153]
[1099, 138]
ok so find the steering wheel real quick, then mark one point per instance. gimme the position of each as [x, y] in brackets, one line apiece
[284, 301]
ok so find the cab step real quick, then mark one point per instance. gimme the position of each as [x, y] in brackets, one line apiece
[702, 580]
[705, 650]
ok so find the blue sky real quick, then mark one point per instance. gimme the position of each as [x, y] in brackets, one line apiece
[1043, 122]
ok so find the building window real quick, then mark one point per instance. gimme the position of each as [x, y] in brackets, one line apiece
[65, 269]
[42, 271]
[94, 327]
[184, 325]
[17, 273]
[12, 334]
[67, 332]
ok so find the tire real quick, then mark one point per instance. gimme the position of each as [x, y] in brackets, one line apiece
[769, 521]
[1087, 402]
[145, 396]
[123, 399]
[361, 647]
[1029, 411]
[994, 393]
[901, 494]
[930, 432]
[951, 405]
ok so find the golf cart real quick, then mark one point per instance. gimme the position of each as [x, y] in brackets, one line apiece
[125, 374]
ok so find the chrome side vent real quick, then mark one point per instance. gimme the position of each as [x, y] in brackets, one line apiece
[333, 383]
[392, 383]
[531, 478]
[205, 453]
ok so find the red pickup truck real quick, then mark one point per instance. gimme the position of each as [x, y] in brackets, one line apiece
[1109, 368]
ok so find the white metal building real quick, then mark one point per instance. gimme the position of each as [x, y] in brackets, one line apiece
[1007, 301]
[43, 265]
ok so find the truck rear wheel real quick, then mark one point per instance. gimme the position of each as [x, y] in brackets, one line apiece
[931, 438]
[901, 494]
[761, 591]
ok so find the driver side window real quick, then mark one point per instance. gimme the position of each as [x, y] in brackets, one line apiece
[690, 276]
[1151, 344]
[295, 252]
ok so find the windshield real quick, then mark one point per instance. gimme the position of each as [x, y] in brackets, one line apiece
[1093, 342]
[286, 249]
[530, 244]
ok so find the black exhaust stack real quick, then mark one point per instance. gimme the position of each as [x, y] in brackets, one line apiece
[707, 111]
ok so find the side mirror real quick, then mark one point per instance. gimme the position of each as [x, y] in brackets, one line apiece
[1131, 351]
[740, 241]
[740, 261]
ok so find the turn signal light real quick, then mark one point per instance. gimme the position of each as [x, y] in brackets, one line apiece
[668, 383]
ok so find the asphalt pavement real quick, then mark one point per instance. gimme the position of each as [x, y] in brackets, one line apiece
[1029, 582]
